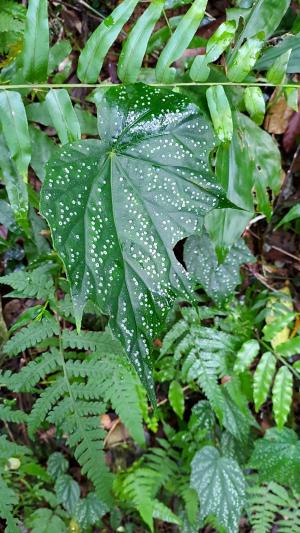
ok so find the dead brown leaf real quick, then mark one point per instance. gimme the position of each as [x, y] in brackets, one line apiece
[278, 116]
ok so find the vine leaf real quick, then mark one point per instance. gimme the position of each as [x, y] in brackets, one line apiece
[118, 206]
[220, 485]
[262, 379]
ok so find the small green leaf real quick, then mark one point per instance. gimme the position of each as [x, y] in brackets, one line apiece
[277, 71]
[63, 115]
[67, 492]
[135, 46]
[289, 348]
[15, 130]
[220, 112]
[36, 42]
[282, 394]
[262, 379]
[272, 329]
[94, 52]
[176, 398]
[246, 355]
[45, 521]
[255, 104]
[291, 95]
[277, 457]
[57, 465]
[179, 41]
[245, 58]
[220, 485]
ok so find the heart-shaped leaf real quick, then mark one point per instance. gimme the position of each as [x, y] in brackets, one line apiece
[118, 206]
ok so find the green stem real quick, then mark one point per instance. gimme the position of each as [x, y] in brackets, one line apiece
[41, 86]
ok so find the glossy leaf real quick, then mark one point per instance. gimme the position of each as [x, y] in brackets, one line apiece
[265, 16]
[215, 47]
[245, 58]
[36, 42]
[251, 160]
[15, 130]
[15, 185]
[118, 206]
[218, 280]
[63, 116]
[277, 457]
[263, 378]
[67, 492]
[220, 485]
[176, 398]
[246, 355]
[179, 41]
[289, 348]
[94, 52]
[220, 112]
[135, 46]
[277, 71]
[282, 395]
[255, 104]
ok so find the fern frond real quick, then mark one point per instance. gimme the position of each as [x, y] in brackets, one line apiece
[37, 283]
[7, 414]
[91, 340]
[116, 383]
[30, 375]
[266, 502]
[44, 404]
[31, 335]
[87, 441]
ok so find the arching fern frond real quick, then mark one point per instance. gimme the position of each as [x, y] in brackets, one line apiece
[269, 502]
[31, 335]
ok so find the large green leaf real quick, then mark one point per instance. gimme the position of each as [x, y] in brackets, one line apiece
[220, 485]
[219, 281]
[118, 206]
[277, 457]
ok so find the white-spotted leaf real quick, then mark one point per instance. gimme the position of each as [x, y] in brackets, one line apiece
[220, 485]
[118, 206]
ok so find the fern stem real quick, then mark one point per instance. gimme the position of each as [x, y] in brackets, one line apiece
[44, 86]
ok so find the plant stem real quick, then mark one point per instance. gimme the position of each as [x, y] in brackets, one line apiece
[41, 86]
